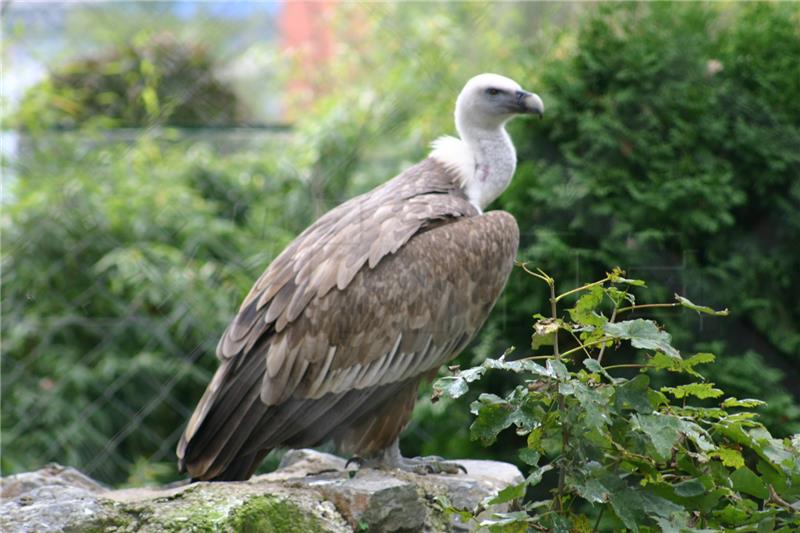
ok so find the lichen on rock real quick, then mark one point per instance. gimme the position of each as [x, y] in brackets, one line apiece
[311, 492]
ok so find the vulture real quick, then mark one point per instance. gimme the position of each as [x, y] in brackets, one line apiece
[334, 338]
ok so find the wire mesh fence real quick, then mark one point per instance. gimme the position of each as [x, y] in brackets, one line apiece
[127, 250]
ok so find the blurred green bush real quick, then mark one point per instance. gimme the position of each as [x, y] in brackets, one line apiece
[670, 147]
[154, 79]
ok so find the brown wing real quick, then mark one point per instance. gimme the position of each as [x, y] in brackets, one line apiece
[301, 375]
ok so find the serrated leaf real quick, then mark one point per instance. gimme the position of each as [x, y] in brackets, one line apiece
[456, 386]
[729, 457]
[662, 430]
[594, 402]
[584, 311]
[633, 394]
[697, 435]
[642, 334]
[661, 361]
[519, 366]
[618, 296]
[493, 414]
[698, 390]
[685, 302]
[746, 402]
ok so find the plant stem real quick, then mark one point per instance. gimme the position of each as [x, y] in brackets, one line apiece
[534, 358]
[646, 306]
[582, 288]
[582, 346]
[626, 365]
[562, 470]
[599, 516]
[610, 321]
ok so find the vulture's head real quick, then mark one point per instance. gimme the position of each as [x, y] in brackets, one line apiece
[489, 100]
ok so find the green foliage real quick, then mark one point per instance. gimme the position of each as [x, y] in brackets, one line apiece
[121, 267]
[123, 263]
[670, 142]
[617, 451]
[150, 80]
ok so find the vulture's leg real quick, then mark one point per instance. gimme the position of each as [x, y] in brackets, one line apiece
[390, 458]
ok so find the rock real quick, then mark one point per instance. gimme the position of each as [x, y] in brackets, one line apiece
[310, 492]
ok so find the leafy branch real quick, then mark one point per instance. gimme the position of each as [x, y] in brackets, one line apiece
[622, 453]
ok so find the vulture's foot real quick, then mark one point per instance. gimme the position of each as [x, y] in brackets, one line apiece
[390, 458]
[431, 464]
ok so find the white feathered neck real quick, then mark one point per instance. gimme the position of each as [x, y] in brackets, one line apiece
[483, 160]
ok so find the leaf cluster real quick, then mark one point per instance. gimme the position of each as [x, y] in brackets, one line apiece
[618, 451]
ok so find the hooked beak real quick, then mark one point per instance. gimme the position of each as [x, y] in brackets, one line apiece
[529, 103]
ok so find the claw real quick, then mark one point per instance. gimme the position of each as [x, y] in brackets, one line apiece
[358, 461]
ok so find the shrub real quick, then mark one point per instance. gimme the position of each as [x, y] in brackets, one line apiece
[617, 451]
[152, 80]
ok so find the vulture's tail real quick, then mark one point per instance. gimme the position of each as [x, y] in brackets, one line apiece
[232, 430]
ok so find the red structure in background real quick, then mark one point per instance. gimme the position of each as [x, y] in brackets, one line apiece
[306, 35]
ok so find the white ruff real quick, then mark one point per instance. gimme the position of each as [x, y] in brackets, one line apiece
[484, 167]
[455, 156]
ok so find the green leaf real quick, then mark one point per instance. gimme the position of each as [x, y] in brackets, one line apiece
[629, 507]
[699, 308]
[661, 361]
[729, 457]
[643, 334]
[745, 480]
[593, 365]
[584, 310]
[535, 438]
[529, 456]
[616, 277]
[544, 332]
[662, 430]
[516, 522]
[697, 435]
[591, 490]
[593, 401]
[746, 402]
[511, 492]
[633, 394]
[494, 414]
[556, 368]
[698, 390]
[689, 488]
[456, 386]
[535, 477]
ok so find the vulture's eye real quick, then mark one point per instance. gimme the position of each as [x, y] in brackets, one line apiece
[492, 91]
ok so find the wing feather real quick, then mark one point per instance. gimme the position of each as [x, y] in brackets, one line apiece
[377, 293]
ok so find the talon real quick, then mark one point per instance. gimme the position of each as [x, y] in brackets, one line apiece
[359, 462]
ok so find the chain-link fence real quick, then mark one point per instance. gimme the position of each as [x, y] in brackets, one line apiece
[127, 249]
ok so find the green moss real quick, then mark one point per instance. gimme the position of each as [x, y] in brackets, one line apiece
[265, 514]
[114, 522]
